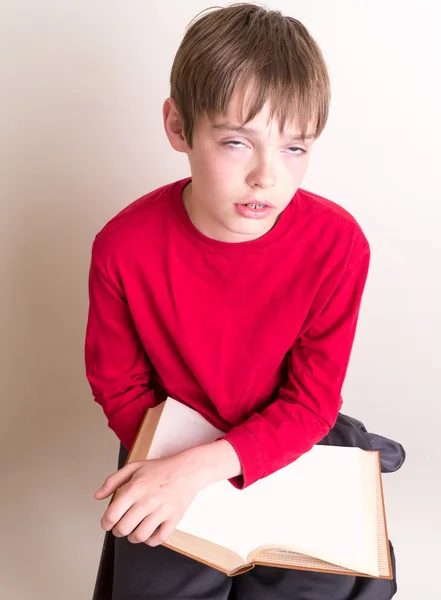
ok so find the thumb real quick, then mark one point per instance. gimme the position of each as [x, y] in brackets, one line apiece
[116, 480]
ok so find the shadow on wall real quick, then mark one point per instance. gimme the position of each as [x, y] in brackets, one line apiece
[64, 172]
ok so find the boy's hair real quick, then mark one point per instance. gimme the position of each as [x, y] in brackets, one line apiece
[227, 49]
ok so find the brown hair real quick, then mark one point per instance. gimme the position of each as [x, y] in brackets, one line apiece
[229, 48]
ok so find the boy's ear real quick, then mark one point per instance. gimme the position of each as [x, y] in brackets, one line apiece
[173, 126]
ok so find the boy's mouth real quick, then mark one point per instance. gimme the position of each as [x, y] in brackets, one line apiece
[253, 203]
[255, 210]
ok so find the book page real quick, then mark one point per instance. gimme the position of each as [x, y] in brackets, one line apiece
[300, 561]
[215, 556]
[180, 428]
[316, 506]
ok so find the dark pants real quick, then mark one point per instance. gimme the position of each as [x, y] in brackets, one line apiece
[145, 573]
[138, 572]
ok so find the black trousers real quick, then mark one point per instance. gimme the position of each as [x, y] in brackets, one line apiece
[138, 572]
[145, 573]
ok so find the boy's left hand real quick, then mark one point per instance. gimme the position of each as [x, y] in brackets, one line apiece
[151, 498]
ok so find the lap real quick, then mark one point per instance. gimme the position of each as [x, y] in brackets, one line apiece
[145, 573]
[273, 583]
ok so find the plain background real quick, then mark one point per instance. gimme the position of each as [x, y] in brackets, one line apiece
[82, 86]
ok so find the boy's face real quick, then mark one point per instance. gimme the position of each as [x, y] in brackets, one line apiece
[242, 177]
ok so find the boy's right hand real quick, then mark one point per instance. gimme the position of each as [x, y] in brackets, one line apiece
[152, 496]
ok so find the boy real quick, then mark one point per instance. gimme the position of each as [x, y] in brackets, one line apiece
[232, 291]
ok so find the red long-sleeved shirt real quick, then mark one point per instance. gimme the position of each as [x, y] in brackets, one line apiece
[256, 336]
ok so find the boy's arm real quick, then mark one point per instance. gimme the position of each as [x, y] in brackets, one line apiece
[308, 403]
[117, 367]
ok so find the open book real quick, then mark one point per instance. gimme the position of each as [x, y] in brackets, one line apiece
[323, 512]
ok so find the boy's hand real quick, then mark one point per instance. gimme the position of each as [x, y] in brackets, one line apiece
[152, 498]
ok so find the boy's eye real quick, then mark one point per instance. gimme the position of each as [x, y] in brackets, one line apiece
[297, 150]
[233, 143]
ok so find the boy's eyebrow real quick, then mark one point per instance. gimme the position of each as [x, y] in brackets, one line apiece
[251, 131]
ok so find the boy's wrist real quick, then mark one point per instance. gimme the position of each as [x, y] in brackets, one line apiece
[212, 462]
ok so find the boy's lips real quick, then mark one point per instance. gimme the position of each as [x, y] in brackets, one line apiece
[262, 212]
[254, 201]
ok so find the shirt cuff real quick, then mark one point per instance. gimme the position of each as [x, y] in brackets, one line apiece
[126, 422]
[250, 456]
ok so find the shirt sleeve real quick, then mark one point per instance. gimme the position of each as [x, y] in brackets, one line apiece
[307, 404]
[117, 367]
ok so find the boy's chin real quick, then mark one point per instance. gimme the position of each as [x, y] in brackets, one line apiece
[252, 229]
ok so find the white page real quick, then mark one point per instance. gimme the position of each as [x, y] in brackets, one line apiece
[180, 428]
[327, 517]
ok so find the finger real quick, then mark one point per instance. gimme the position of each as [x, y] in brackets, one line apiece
[122, 502]
[116, 480]
[162, 534]
[145, 529]
[130, 520]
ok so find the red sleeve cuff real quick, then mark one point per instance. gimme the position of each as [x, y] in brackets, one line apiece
[126, 422]
[250, 455]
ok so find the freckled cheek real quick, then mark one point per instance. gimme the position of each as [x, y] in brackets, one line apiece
[222, 167]
[207, 168]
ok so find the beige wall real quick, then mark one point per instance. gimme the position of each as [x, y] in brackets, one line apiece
[81, 136]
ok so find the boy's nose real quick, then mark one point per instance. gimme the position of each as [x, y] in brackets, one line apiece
[262, 175]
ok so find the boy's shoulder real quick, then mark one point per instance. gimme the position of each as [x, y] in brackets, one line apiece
[331, 219]
[136, 221]
[327, 209]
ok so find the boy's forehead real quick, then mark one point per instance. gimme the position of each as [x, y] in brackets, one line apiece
[262, 122]
[235, 114]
